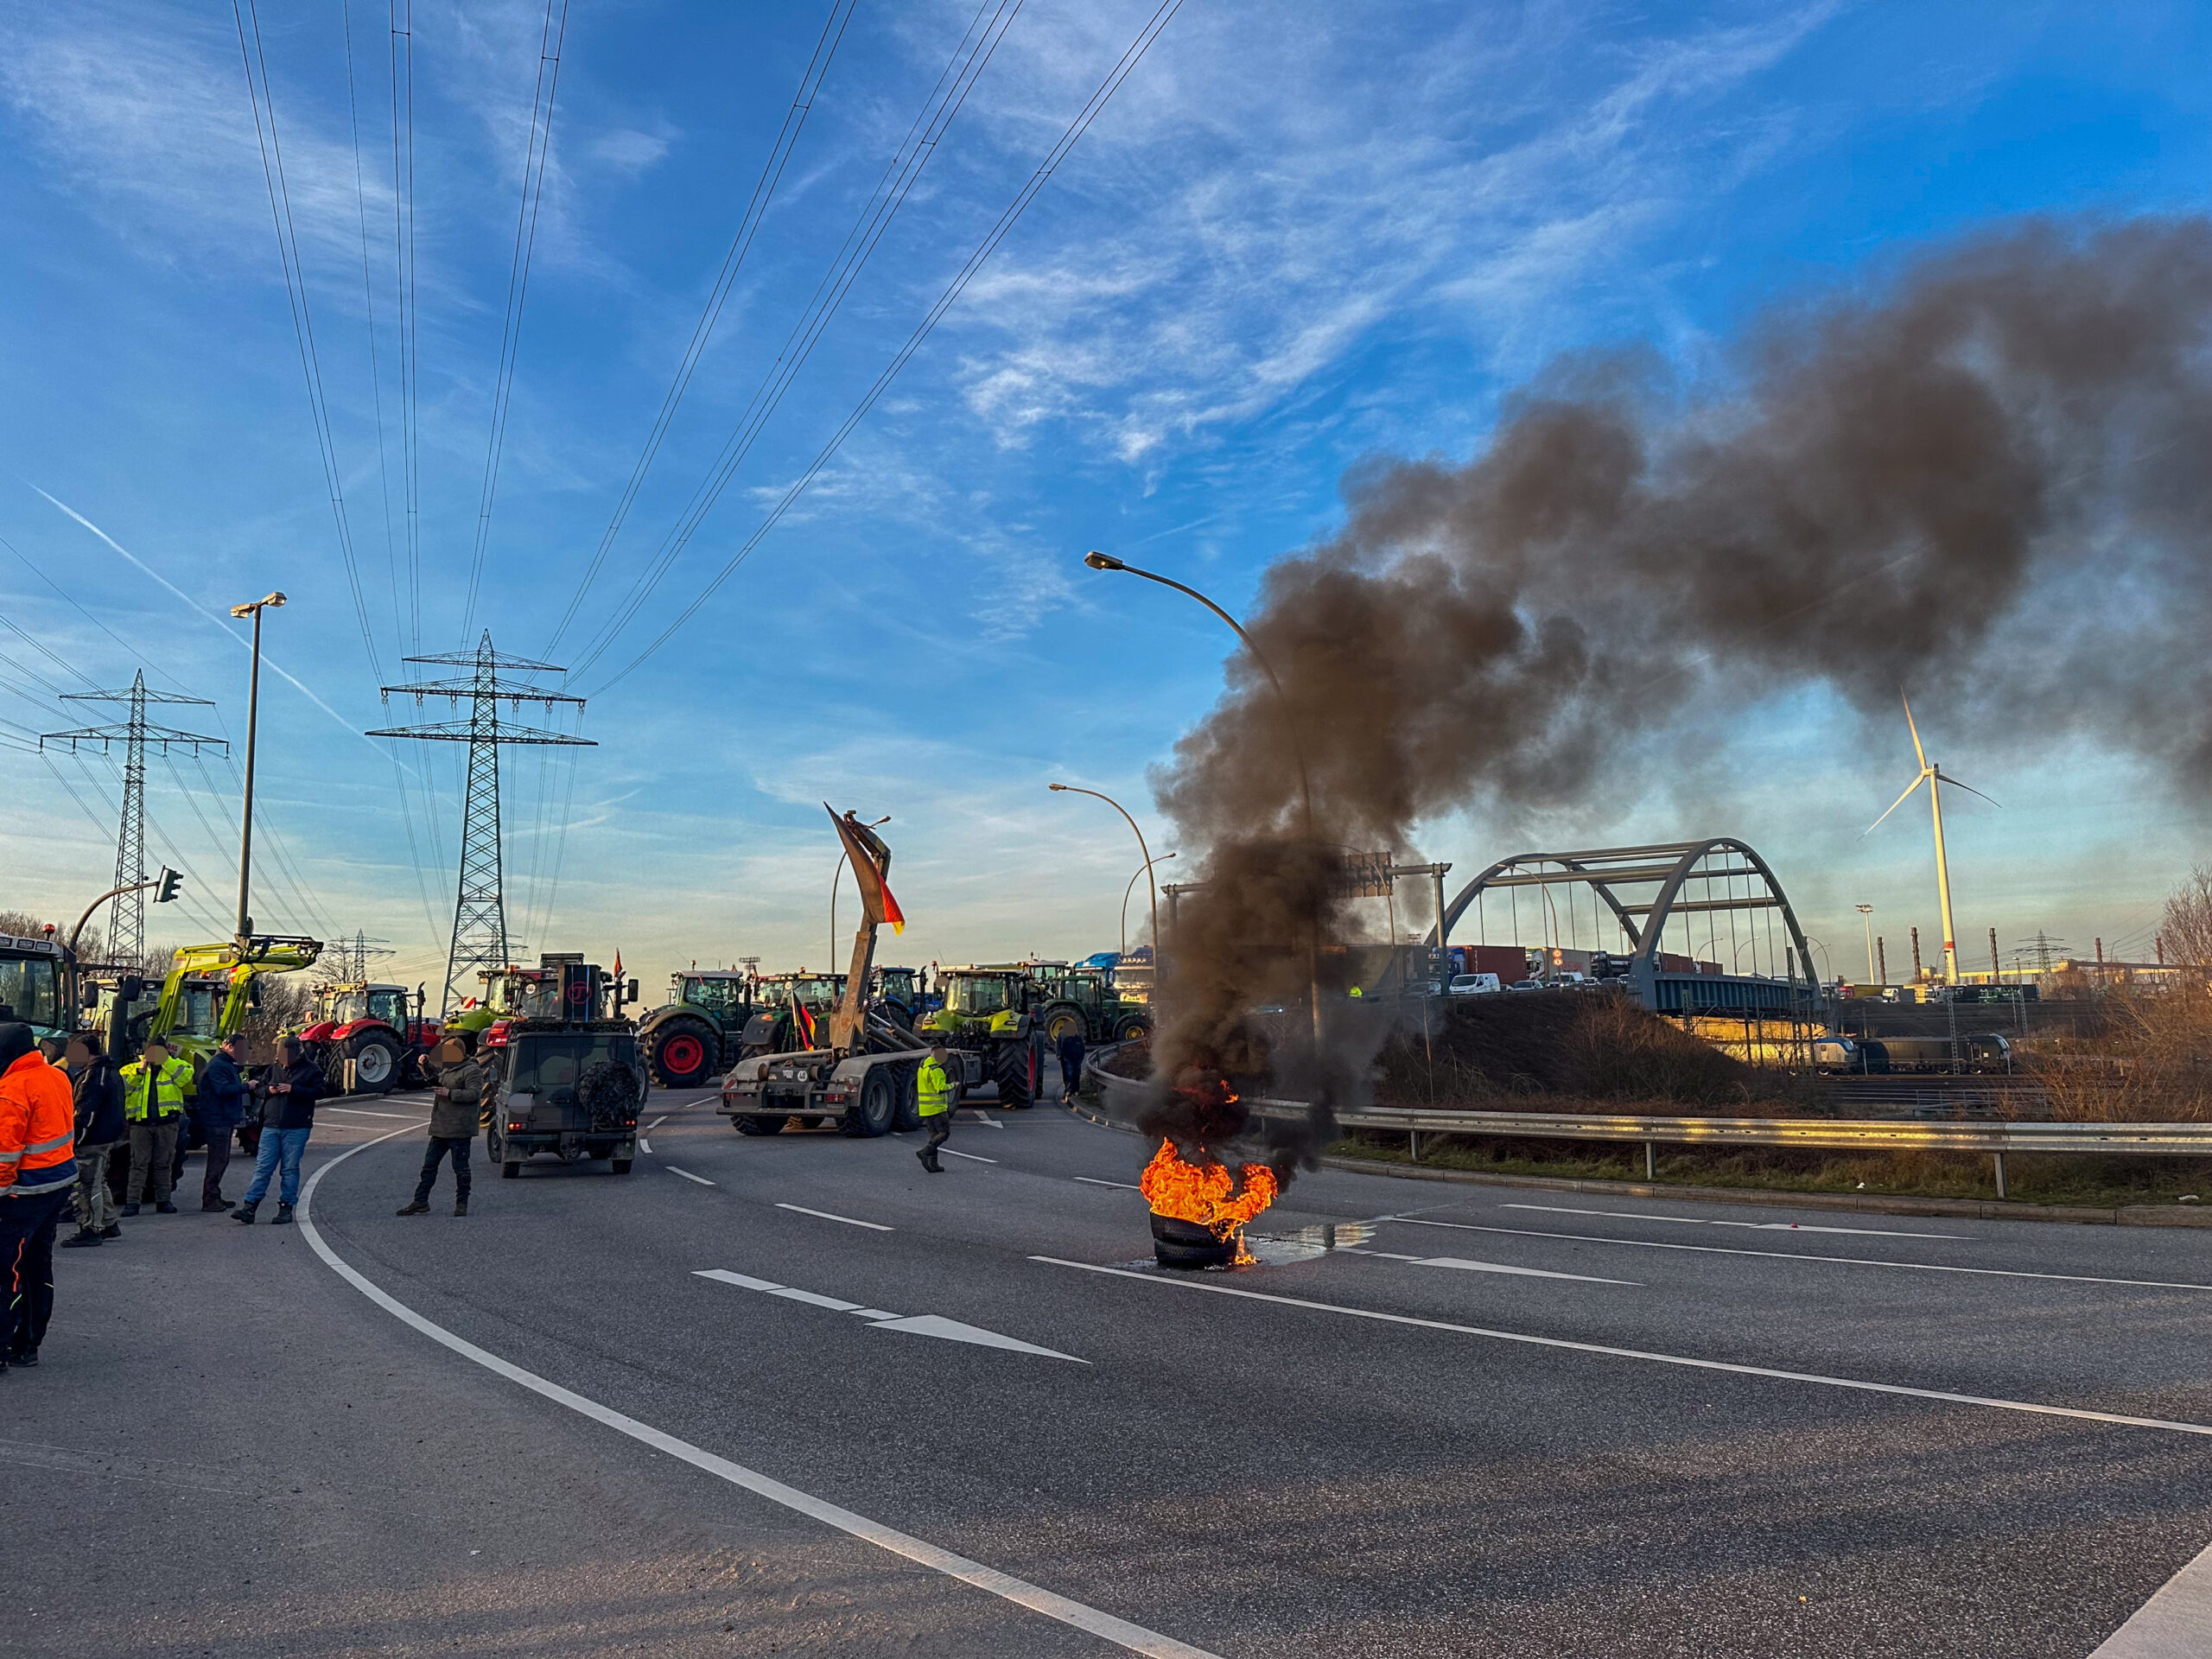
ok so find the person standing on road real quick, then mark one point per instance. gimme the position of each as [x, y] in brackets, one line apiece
[153, 1104]
[38, 1166]
[933, 1095]
[222, 1108]
[455, 1108]
[97, 1090]
[1071, 1063]
[287, 1119]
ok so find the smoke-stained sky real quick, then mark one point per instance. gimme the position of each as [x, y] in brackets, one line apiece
[1287, 248]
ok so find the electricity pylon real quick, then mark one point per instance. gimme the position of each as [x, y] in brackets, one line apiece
[127, 916]
[479, 915]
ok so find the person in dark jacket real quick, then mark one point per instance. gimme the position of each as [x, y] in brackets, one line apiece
[1070, 1065]
[288, 1094]
[98, 1087]
[456, 1106]
[222, 1108]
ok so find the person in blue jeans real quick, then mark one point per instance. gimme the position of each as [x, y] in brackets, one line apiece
[287, 1119]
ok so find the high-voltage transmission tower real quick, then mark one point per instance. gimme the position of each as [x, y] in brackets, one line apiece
[479, 915]
[127, 918]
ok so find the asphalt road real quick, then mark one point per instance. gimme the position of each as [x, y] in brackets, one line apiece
[594, 1417]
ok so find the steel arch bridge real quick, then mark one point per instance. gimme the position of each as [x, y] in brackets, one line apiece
[1657, 879]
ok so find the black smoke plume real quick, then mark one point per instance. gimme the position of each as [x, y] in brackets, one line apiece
[1991, 481]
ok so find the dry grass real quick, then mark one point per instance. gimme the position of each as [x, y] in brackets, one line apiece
[2149, 1060]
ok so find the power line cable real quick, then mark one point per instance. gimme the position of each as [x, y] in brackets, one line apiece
[376, 360]
[1089, 113]
[288, 253]
[756, 209]
[968, 60]
[535, 156]
[400, 15]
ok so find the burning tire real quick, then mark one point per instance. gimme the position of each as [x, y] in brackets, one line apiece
[376, 1062]
[1013, 1068]
[1185, 1244]
[683, 1054]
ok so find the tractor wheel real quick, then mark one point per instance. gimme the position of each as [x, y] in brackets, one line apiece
[1061, 1022]
[619, 1166]
[760, 1125]
[878, 1106]
[1013, 1069]
[376, 1062]
[1134, 1029]
[682, 1053]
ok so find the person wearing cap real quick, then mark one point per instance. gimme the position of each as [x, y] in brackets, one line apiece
[455, 1110]
[289, 1093]
[153, 1106]
[38, 1166]
[934, 1091]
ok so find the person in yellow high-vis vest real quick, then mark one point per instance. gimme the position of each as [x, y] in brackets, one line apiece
[934, 1093]
[153, 1108]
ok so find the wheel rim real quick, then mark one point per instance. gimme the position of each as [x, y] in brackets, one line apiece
[684, 1054]
[373, 1063]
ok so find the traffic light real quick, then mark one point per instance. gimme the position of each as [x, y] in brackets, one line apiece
[170, 881]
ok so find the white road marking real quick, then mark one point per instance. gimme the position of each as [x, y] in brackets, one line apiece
[873, 1226]
[2172, 1623]
[1195, 1283]
[1120, 1632]
[976, 1113]
[644, 1146]
[936, 1324]
[686, 1174]
[969, 1156]
[1799, 1255]
[1469, 1266]
[1126, 1186]
[1754, 1226]
[919, 1324]
[658, 1121]
[363, 1111]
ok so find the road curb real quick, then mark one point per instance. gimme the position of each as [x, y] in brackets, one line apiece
[2128, 1215]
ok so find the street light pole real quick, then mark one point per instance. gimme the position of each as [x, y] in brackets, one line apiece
[1866, 915]
[252, 720]
[1098, 560]
[836, 876]
[1142, 869]
[1143, 852]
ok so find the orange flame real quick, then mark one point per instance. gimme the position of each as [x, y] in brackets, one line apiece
[1206, 1193]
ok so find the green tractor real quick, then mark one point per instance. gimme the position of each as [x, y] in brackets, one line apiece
[701, 1029]
[1081, 999]
[789, 1012]
[987, 1014]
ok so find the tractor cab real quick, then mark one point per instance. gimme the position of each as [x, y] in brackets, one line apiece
[569, 1080]
[33, 986]
[373, 1029]
[897, 991]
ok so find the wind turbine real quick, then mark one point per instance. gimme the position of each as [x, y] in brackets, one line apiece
[1934, 778]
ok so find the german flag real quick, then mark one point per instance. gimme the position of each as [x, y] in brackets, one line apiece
[869, 858]
[802, 1022]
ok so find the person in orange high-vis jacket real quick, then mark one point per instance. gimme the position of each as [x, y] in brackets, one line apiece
[38, 1166]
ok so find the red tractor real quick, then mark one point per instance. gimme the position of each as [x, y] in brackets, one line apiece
[379, 1028]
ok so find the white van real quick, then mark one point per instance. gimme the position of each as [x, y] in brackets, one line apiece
[1474, 984]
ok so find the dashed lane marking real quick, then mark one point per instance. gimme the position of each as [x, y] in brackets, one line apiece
[1135, 1638]
[1126, 1186]
[1752, 1226]
[644, 1146]
[686, 1174]
[873, 1226]
[1468, 1266]
[972, 1157]
[363, 1111]
[2172, 1623]
[1193, 1282]
[1797, 1255]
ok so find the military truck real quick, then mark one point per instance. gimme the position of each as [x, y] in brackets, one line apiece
[991, 1021]
[569, 1080]
[699, 1029]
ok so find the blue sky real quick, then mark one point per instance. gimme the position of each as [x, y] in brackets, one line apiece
[1299, 236]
